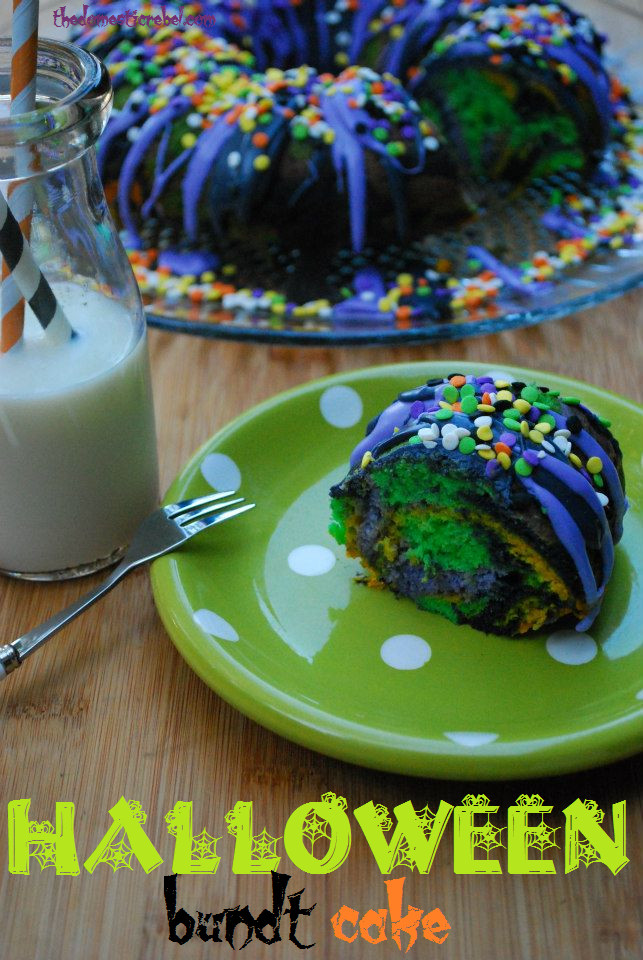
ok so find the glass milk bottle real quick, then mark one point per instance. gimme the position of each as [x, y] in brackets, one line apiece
[78, 464]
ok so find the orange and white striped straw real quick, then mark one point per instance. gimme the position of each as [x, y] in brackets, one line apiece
[24, 50]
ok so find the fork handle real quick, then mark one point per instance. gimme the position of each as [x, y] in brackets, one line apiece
[13, 654]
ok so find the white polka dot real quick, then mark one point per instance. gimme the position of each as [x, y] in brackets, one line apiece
[311, 560]
[221, 472]
[215, 625]
[639, 695]
[469, 738]
[341, 406]
[570, 647]
[405, 652]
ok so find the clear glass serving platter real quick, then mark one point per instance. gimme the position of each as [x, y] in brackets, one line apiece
[510, 227]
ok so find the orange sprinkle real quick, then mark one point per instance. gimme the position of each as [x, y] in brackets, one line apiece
[502, 448]
[485, 396]
[458, 381]
[261, 140]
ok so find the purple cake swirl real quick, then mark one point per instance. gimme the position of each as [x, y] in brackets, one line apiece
[493, 502]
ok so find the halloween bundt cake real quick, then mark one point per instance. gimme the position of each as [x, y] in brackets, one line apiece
[491, 502]
[310, 145]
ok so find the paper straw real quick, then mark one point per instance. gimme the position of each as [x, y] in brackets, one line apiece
[29, 279]
[24, 51]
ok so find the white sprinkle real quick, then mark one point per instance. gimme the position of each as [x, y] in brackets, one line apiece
[450, 441]
[562, 433]
[549, 446]
[463, 432]
[429, 444]
[234, 159]
[429, 433]
[603, 500]
[541, 454]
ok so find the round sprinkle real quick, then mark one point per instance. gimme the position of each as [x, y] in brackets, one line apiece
[485, 433]
[511, 414]
[536, 436]
[531, 457]
[594, 464]
[486, 408]
[548, 419]
[576, 460]
[572, 401]
[451, 394]
[522, 468]
[469, 404]
[467, 390]
[459, 381]
[530, 394]
[483, 421]
[487, 454]
[524, 428]
[512, 425]
[507, 438]
[504, 460]
[505, 395]
[443, 414]
[262, 162]
[366, 459]
[524, 406]
[467, 445]
[450, 440]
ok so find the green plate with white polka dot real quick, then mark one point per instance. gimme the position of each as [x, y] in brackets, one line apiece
[266, 610]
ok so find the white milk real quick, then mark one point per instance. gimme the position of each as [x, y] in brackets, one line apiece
[78, 467]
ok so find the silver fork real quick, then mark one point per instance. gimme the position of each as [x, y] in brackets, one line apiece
[163, 531]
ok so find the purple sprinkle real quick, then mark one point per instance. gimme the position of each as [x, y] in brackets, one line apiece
[508, 438]
[491, 468]
[531, 457]
[417, 407]
[534, 415]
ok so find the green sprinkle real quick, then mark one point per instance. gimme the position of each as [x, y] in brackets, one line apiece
[547, 418]
[467, 445]
[380, 133]
[468, 390]
[530, 394]
[414, 440]
[469, 404]
[511, 413]
[540, 405]
[443, 414]
[512, 425]
[605, 422]
[598, 480]
[572, 401]
[523, 469]
[395, 149]
[451, 394]
[299, 131]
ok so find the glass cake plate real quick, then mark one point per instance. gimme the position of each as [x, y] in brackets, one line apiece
[510, 227]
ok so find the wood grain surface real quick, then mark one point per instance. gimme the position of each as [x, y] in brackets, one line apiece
[109, 708]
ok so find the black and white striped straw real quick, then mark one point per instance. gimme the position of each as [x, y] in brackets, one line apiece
[29, 278]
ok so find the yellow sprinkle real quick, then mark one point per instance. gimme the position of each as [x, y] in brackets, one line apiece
[247, 124]
[384, 305]
[329, 136]
[485, 433]
[504, 460]
[504, 395]
[366, 459]
[544, 427]
[262, 162]
[594, 464]
[486, 408]
[523, 405]
[445, 405]
[501, 384]
[396, 429]
[487, 454]
[188, 140]
[524, 428]
[536, 436]
[575, 460]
